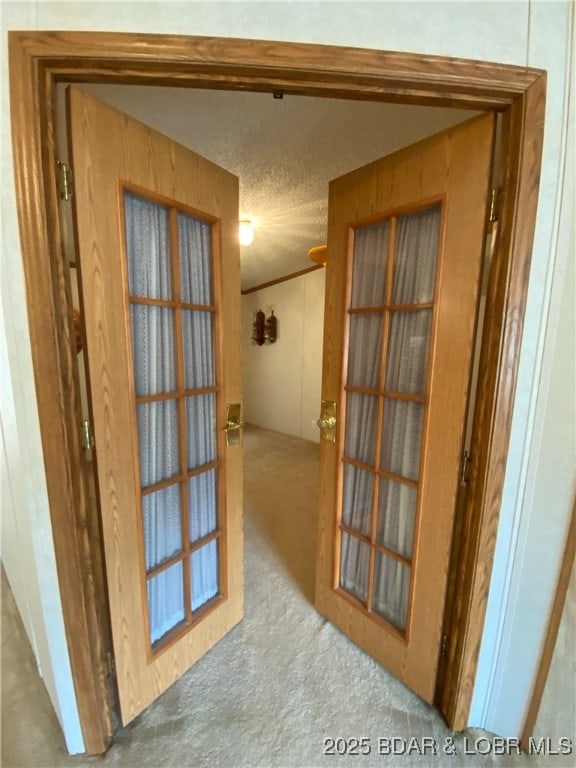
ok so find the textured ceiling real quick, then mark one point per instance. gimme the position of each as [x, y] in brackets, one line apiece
[285, 151]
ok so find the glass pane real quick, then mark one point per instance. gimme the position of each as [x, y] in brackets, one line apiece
[204, 574]
[364, 350]
[391, 590]
[357, 501]
[396, 516]
[360, 441]
[165, 601]
[147, 248]
[202, 504]
[194, 237]
[162, 525]
[158, 441]
[354, 562]
[153, 347]
[370, 259]
[408, 352]
[402, 437]
[415, 256]
[201, 430]
[198, 335]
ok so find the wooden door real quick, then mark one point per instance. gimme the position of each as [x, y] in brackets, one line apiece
[160, 282]
[405, 250]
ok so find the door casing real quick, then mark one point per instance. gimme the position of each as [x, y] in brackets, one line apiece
[38, 61]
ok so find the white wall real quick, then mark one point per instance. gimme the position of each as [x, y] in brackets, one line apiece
[540, 483]
[282, 381]
[525, 33]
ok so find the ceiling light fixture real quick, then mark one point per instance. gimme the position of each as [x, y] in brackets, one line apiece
[246, 232]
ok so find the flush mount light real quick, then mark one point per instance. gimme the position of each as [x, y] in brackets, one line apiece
[246, 232]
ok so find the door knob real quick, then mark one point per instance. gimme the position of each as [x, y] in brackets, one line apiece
[327, 421]
[234, 423]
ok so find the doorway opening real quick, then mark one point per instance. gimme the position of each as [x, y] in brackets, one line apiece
[518, 93]
[281, 381]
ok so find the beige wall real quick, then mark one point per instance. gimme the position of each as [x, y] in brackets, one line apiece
[557, 715]
[282, 381]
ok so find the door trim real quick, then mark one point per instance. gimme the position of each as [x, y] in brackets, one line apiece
[38, 60]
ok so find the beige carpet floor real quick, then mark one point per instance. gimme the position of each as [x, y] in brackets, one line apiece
[271, 692]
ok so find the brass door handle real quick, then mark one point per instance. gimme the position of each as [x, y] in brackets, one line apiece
[327, 423]
[232, 425]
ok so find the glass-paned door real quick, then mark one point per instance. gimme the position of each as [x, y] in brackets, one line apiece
[390, 315]
[173, 317]
[405, 253]
[156, 222]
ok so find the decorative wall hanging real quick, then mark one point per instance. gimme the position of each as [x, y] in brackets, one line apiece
[270, 328]
[258, 328]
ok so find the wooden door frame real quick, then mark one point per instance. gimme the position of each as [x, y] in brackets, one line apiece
[38, 61]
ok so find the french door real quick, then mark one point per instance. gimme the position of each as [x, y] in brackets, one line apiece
[405, 249]
[160, 286]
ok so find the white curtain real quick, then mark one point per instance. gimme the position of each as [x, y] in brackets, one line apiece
[415, 257]
[391, 589]
[153, 338]
[199, 371]
[365, 333]
[204, 574]
[158, 441]
[153, 349]
[370, 260]
[357, 503]
[166, 600]
[354, 563]
[360, 441]
[162, 525]
[147, 245]
[198, 334]
[195, 260]
[202, 505]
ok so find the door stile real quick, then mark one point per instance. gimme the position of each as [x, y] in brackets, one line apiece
[222, 395]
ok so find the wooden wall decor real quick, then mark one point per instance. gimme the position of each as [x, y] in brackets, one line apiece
[38, 60]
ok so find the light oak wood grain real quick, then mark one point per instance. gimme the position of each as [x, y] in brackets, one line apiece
[109, 148]
[454, 167]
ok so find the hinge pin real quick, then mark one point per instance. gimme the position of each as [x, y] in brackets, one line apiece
[88, 438]
[110, 664]
[465, 464]
[444, 645]
[64, 181]
[494, 213]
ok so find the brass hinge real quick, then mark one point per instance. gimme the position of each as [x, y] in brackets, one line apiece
[444, 645]
[110, 664]
[465, 464]
[494, 209]
[87, 435]
[64, 181]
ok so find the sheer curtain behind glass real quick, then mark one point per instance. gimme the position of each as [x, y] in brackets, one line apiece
[156, 373]
[154, 357]
[199, 364]
[401, 393]
[364, 350]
